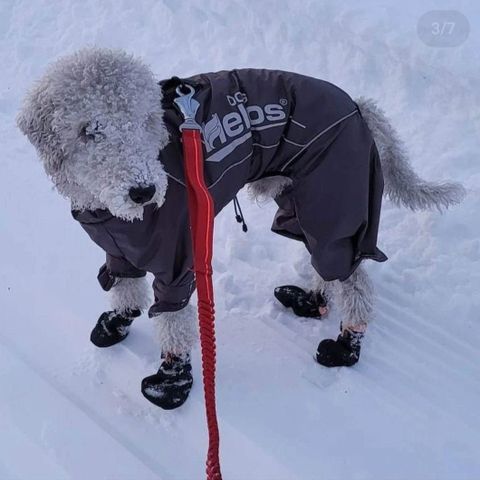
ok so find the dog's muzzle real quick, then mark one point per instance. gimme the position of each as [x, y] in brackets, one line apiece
[142, 195]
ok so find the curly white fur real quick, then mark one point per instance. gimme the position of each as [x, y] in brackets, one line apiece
[266, 189]
[130, 294]
[402, 185]
[96, 120]
[355, 298]
[177, 332]
[327, 289]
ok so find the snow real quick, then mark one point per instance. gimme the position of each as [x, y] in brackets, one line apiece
[409, 409]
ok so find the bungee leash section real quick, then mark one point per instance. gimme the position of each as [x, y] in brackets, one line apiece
[201, 211]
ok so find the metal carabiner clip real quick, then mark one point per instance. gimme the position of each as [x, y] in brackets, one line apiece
[188, 107]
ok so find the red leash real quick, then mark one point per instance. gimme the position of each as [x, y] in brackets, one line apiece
[201, 209]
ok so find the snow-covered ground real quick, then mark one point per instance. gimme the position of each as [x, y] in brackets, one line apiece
[409, 409]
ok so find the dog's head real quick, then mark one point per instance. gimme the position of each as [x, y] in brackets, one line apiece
[96, 120]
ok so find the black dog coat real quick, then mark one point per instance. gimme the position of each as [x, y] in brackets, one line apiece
[256, 124]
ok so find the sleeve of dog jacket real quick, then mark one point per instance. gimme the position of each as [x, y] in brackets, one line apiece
[116, 267]
[160, 243]
[173, 296]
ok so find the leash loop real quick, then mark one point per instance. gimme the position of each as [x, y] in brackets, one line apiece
[188, 107]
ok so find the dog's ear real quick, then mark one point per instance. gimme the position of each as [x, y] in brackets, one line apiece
[156, 126]
[36, 121]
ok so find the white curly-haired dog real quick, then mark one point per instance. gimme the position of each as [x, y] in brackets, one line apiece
[107, 133]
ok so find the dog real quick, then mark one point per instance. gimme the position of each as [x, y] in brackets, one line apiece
[108, 135]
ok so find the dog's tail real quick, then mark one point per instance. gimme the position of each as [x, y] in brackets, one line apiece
[402, 185]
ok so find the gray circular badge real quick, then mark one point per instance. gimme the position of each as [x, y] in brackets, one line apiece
[443, 28]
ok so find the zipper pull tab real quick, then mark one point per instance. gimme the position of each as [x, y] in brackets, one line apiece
[239, 214]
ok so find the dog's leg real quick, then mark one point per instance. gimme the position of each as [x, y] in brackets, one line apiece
[326, 290]
[177, 334]
[130, 294]
[128, 298]
[354, 297]
[355, 300]
[177, 331]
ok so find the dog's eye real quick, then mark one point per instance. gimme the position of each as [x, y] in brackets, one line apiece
[92, 131]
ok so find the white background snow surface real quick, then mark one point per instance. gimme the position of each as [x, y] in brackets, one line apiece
[408, 410]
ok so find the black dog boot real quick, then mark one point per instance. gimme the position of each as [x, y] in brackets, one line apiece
[303, 304]
[112, 328]
[170, 386]
[343, 352]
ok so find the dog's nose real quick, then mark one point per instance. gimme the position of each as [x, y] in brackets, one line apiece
[142, 195]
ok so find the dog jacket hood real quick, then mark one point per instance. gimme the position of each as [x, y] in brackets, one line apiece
[256, 124]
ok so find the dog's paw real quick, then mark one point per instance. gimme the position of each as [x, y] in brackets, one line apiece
[343, 352]
[170, 387]
[112, 328]
[304, 304]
